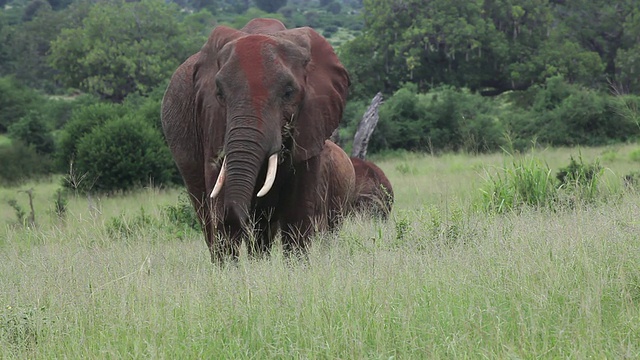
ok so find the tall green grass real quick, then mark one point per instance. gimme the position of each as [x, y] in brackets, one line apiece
[528, 181]
[437, 280]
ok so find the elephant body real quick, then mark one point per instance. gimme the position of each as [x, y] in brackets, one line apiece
[246, 119]
[373, 194]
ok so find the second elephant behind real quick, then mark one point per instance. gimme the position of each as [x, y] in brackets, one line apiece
[374, 193]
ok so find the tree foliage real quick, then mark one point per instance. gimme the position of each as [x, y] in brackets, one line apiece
[123, 48]
[15, 101]
[270, 6]
[83, 121]
[33, 130]
[492, 46]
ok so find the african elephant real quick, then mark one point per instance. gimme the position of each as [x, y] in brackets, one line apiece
[374, 194]
[246, 119]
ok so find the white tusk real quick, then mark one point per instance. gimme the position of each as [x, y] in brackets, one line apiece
[272, 168]
[218, 186]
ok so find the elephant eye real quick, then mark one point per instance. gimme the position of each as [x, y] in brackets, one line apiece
[220, 95]
[289, 91]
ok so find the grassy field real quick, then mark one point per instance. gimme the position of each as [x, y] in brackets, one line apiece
[113, 279]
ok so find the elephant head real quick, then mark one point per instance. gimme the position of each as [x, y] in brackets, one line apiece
[264, 95]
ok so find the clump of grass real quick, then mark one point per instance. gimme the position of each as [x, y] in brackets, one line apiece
[61, 203]
[179, 220]
[529, 182]
[448, 227]
[180, 217]
[580, 179]
[21, 327]
[524, 182]
[402, 227]
[120, 227]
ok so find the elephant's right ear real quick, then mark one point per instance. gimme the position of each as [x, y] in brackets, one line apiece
[204, 73]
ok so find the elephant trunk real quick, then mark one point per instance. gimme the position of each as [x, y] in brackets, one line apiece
[245, 156]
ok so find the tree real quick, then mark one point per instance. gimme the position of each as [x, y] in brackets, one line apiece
[597, 25]
[15, 100]
[488, 46]
[30, 43]
[270, 6]
[123, 48]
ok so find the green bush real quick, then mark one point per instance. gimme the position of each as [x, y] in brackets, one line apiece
[440, 120]
[122, 154]
[15, 101]
[329, 31]
[83, 120]
[580, 178]
[180, 219]
[403, 122]
[32, 129]
[123, 228]
[334, 8]
[563, 114]
[58, 111]
[19, 162]
[146, 107]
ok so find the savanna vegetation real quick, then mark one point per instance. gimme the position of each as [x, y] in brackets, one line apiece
[509, 132]
[549, 271]
[474, 76]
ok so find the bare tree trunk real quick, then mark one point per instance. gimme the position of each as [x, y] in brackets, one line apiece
[31, 220]
[366, 127]
[335, 137]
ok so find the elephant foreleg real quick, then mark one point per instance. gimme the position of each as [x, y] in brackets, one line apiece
[305, 207]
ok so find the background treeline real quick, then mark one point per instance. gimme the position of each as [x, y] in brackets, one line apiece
[81, 81]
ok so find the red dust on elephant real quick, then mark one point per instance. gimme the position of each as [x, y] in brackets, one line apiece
[246, 119]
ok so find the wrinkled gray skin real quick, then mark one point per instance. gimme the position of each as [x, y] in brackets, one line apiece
[245, 96]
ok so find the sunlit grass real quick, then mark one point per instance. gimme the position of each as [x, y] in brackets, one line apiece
[437, 280]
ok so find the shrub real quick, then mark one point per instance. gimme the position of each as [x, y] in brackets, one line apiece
[146, 108]
[19, 162]
[563, 114]
[33, 130]
[351, 117]
[58, 111]
[580, 178]
[120, 227]
[334, 8]
[403, 122]
[83, 121]
[122, 154]
[442, 119]
[180, 219]
[15, 101]
[329, 31]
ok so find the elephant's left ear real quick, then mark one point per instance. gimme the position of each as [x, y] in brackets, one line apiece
[327, 84]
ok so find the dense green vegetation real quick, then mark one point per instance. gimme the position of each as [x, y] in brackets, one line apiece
[498, 246]
[128, 276]
[475, 76]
